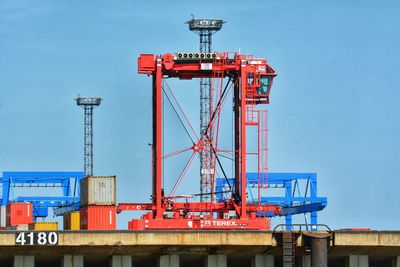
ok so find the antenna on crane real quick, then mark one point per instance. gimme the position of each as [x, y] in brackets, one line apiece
[205, 28]
[88, 104]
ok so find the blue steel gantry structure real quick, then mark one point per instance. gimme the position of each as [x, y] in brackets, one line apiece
[299, 196]
[68, 182]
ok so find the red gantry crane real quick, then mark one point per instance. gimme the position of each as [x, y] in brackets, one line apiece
[249, 82]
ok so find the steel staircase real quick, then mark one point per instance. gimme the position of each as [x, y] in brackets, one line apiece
[289, 248]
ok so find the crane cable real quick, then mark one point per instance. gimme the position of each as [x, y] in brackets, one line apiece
[208, 127]
[177, 114]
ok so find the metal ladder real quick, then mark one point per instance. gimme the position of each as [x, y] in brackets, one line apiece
[289, 248]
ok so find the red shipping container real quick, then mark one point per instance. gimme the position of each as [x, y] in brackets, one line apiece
[98, 218]
[19, 213]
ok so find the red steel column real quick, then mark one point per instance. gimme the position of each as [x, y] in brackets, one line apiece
[157, 138]
[243, 84]
[236, 108]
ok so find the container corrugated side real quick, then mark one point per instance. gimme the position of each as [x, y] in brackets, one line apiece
[3, 216]
[19, 227]
[98, 218]
[72, 221]
[98, 190]
[44, 226]
[22, 227]
[19, 213]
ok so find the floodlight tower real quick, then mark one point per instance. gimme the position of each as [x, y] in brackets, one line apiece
[205, 28]
[88, 104]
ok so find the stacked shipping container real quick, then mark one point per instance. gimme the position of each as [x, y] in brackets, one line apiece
[98, 191]
[72, 221]
[19, 227]
[3, 216]
[44, 226]
[98, 217]
[98, 200]
[19, 213]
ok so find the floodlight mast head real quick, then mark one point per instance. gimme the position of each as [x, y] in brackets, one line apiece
[88, 101]
[205, 24]
[88, 104]
[205, 28]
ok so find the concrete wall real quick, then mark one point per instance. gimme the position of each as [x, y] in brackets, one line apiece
[216, 249]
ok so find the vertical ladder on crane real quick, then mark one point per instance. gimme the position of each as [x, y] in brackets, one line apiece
[251, 89]
[263, 148]
[289, 248]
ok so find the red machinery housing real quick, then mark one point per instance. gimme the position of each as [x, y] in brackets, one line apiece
[251, 81]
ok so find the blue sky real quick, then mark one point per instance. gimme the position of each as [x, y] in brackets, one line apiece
[333, 106]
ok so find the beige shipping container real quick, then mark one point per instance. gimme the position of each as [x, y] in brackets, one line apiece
[44, 226]
[72, 221]
[3, 216]
[98, 191]
[19, 227]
